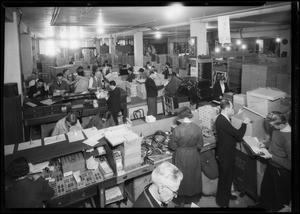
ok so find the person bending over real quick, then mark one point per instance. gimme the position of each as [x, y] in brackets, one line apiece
[67, 124]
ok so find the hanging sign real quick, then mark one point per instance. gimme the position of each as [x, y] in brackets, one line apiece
[223, 29]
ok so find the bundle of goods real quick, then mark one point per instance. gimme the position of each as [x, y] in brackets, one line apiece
[131, 89]
[207, 116]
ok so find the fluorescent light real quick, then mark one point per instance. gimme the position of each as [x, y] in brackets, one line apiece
[238, 42]
[278, 39]
[217, 50]
[244, 46]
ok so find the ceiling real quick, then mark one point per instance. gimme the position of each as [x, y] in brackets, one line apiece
[45, 22]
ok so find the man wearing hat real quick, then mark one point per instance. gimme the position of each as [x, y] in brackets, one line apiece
[25, 192]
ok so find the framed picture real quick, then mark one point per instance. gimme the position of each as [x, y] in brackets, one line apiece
[192, 42]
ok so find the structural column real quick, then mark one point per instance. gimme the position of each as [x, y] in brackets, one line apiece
[198, 29]
[112, 48]
[26, 53]
[138, 49]
[12, 62]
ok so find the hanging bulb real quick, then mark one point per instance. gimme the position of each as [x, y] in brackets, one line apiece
[244, 46]
[228, 48]
[238, 42]
[278, 39]
[217, 49]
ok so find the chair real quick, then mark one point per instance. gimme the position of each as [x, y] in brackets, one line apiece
[47, 129]
[138, 114]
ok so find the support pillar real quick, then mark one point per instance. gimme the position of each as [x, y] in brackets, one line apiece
[138, 49]
[198, 29]
[112, 48]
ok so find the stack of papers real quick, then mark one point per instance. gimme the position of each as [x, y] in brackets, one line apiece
[113, 193]
[54, 139]
[150, 119]
[253, 144]
[48, 102]
[31, 104]
[29, 144]
[9, 149]
[131, 150]
[105, 169]
[93, 133]
[38, 167]
[268, 93]
[75, 136]
[115, 137]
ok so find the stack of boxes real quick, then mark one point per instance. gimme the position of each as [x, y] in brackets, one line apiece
[182, 62]
[174, 61]
[239, 100]
[141, 89]
[131, 150]
[208, 115]
[131, 89]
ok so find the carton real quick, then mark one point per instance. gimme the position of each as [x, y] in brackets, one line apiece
[255, 128]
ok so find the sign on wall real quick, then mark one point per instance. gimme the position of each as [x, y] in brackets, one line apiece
[224, 29]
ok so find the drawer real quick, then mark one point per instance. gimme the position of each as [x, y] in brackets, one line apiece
[51, 112]
[29, 116]
[83, 193]
[31, 111]
[60, 201]
[52, 108]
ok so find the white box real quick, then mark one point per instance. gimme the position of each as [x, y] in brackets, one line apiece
[150, 119]
[262, 103]
[254, 129]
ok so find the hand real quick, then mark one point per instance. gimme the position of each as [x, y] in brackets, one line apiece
[36, 176]
[220, 97]
[246, 120]
[261, 145]
[266, 154]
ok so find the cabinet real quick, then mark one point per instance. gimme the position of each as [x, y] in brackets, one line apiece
[204, 68]
[12, 120]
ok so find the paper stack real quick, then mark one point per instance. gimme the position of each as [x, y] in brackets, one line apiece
[112, 193]
[141, 89]
[253, 144]
[150, 119]
[131, 89]
[36, 168]
[105, 169]
[131, 150]
[115, 136]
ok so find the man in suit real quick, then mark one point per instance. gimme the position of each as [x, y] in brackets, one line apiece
[59, 86]
[114, 100]
[226, 146]
[38, 90]
[152, 93]
[166, 180]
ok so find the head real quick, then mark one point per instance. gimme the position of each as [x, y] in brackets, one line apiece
[276, 120]
[34, 74]
[226, 107]
[130, 70]
[94, 68]
[18, 168]
[152, 74]
[66, 72]
[148, 65]
[59, 77]
[222, 79]
[105, 62]
[168, 64]
[71, 119]
[166, 178]
[105, 115]
[185, 112]
[141, 70]
[40, 83]
[79, 69]
[98, 73]
[112, 84]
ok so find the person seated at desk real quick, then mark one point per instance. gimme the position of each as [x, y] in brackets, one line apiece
[25, 192]
[166, 180]
[59, 86]
[32, 79]
[131, 75]
[95, 82]
[67, 124]
[39, 90]
[102, 120]
[81, 83]
[220, 87]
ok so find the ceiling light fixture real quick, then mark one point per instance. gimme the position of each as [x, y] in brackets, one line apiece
[278, 39]
[174, 10]
[157, 35]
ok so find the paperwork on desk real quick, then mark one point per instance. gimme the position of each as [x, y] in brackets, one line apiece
[253, 144]
[29, 144]
[112, 193]
[75, 135]
[116, 136]
[194, 205]
[36, 168]
[54, 139]
[93, 136]
[9, 149]
[47, 102]
[31, 104]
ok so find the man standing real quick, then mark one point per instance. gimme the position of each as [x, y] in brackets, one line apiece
[95, 82]
[227, 136]
[114, 100]
[151, 90]
[276, 182]
[166, 180]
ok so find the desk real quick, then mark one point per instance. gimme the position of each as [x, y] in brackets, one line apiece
[42, 114]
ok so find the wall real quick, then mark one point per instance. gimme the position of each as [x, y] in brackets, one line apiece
[12, 65]
[26, 54]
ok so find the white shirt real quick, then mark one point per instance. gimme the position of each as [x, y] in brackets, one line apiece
[222, 87]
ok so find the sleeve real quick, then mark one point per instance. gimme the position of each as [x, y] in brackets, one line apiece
[30, 92]
[46, 192]
[67, 87]
[285, 162]
[173, 141]
[226, 87]
[200, 140]
[238, 134]
[214, 91]
[44, 92]
[56, 129]
[51, 89]
[78, 125]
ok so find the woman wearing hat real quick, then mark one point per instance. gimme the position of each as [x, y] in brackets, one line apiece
[25, 192]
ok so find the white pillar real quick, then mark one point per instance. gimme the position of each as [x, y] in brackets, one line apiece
[198, 29]
[12, 62]
[112, 48]
[26, 54]
[138, 49]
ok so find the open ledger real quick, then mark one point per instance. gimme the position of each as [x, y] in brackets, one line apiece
[253, 144]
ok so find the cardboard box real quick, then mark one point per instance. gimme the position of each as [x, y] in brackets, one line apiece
[262, 104]
[254, 129]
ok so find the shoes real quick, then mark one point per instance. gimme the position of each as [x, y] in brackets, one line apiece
[233, 197]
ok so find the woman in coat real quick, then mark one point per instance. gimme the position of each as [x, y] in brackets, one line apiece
[186, 141]
[220, 87]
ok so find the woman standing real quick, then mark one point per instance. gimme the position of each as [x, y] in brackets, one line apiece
[186, 141]
[220, 87]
